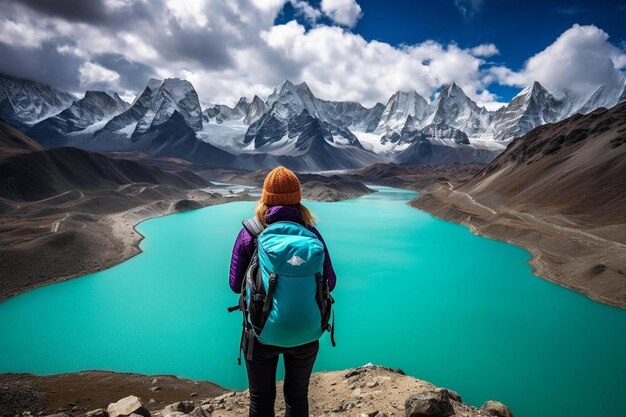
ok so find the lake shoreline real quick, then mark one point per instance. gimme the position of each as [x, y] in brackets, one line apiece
[556, 257]
[122, 231]
[120, 228]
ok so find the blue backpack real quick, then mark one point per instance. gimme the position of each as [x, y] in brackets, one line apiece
[285, 298]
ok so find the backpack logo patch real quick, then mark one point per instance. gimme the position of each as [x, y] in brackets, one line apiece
[296, 260]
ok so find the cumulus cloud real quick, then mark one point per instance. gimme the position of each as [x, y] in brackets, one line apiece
[235, 48]
[343, 12]
[374, 69]
[581, 59]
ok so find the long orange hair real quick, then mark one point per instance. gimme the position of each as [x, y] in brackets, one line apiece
[307, 215]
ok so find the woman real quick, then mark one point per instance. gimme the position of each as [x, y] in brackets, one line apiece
[280, 201]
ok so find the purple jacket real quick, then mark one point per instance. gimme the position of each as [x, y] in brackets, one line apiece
[244, 245]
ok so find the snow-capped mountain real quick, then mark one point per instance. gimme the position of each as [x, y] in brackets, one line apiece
[245, 111]
[255, 110]
[532, 107]
[401, 105]
[293, 126]
[439, 133]
[156, 104]
[454, 108]
[173, 95]
[83, 116]
[221, 113]
[307, 144]
[24, 103]
[126, 122]
[354, 116]
[605, 96]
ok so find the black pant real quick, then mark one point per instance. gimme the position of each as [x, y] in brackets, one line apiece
[299, 362]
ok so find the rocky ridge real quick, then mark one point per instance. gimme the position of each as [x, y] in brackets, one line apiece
[367, 391]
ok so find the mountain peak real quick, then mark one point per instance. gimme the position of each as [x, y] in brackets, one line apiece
[154, 83]
[533, 89]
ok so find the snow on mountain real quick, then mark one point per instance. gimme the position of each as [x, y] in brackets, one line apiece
[307, 143]
[532, 107]
[173, 95]
[605, 96]
[155, 105]
[437, 133]
[24, 103]
[293, 126]
[94, 109]
[255, 110]
[122, 123]
[400, 106]
[221, 113]
[354, 116]
[454, 108]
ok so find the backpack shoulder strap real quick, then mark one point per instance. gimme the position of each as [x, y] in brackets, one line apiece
[253, 226]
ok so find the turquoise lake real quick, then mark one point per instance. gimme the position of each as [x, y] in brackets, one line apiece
[413, 292]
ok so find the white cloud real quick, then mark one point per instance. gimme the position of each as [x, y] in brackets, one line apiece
[485, 50]
[96, 75]
[341, 65]
[305, 9]
[343, 12]
[229, 49]
[24, 34]
[188, 12]
[581, 59]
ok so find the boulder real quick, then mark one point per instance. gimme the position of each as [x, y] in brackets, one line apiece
[127, 406]
[450, 394]
[98, 412]
[184, 407]
[202, 411]
[429, 404]
[497, 409]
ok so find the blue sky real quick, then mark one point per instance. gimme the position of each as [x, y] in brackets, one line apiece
[358, 50]
[520, 29]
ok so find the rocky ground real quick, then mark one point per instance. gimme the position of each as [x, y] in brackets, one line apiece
[77, 233]
[368, 391]
[413, 177]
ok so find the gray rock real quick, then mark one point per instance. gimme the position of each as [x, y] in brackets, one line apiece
[155, 389]
[451, 394]
[429, 404]
[127, 406]
[202, 411]
[181, 406]
[222, 398]
[58, 415]
[355, 372]
[496, 408]
[98, 412]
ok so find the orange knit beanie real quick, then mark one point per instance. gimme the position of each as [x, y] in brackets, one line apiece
[281, 187]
